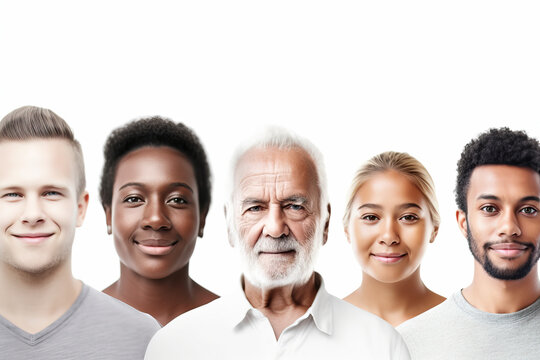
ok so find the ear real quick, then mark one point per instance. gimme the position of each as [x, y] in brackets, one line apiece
[82, 205]
[461, 217]
[327, 224]
[202, 221]
[108, 218]
[229, 233]
[346, 229]
[434, 234]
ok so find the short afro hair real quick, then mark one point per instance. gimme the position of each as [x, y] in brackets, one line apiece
[155, 131]
[495, 147]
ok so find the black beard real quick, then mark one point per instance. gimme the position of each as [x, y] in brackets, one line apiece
[498, 273]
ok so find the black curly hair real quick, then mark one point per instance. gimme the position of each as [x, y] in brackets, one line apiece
[155, 131]
[495, 147]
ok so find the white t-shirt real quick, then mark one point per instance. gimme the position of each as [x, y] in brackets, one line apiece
[230, 328]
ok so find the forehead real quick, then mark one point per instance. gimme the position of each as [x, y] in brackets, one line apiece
[275, 172]
[155, 165]
[389, 187]
[37, 162]
[503, 181]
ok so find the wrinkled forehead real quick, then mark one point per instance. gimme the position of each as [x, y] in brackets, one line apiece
[275, 172]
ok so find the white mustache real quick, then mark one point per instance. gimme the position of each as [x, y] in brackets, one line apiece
[268, 244]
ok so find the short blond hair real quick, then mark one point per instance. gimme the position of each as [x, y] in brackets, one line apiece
[32, 122]
[404, 164]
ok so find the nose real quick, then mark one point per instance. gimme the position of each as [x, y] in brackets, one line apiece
[389, 235]
[154, 216]
[275, 224]
[33, 212]
[508, 225]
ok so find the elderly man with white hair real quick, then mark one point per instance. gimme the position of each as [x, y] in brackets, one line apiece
[278, 216]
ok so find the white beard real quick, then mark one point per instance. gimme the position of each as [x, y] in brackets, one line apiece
[280, 272]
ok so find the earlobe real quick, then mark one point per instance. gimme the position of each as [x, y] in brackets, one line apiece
[202, 222]
[108, 217]
[327, 224]
[461, 217]
[434, 234]
[82, 206]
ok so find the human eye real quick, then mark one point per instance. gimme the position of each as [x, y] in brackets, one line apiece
[255, 208]
[529, 210]
[369, 218]
[295, 207]
[12, 196]
[489, 209]
[50, 193]
[133, 199]
[409, 218]
[177, 200]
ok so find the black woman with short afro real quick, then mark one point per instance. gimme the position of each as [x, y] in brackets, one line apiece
[156, 191]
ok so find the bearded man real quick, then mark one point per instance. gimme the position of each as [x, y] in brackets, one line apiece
[278, 216]
[498, 315]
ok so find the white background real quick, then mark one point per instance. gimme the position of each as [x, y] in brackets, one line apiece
[356, 78]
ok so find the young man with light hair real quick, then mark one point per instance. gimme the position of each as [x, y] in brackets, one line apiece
[45, 313]
[498, 315]
[278, 218]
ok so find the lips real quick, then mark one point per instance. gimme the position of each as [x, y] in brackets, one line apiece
[509, 250]
[155, 247]
[33, 238]
[388, 258]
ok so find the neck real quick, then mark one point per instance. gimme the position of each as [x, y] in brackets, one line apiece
[164, 298]
[37, 300]
[501, 296]
[283, 305]
[395, 302]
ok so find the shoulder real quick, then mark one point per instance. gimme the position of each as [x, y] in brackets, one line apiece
[375, 333]
[114, 312]
[183, 336]
[430, 318]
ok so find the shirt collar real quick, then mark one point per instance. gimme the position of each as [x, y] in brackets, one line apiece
[321, 309]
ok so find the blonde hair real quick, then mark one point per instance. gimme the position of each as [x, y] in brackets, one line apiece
[404, 164]
[32, 122]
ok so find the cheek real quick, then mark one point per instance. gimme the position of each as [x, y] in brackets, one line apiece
[124, 222]
[416, 238]
[63, 213]
[362, 237]
[249, 229]
[186, 223]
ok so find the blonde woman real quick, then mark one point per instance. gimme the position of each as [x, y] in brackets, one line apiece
[390, 218]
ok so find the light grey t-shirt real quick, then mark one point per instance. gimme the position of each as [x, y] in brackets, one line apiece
[96, 326]
[457, 330]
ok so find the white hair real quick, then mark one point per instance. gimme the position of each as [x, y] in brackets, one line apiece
[280, 138]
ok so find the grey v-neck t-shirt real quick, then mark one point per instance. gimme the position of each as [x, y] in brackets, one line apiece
[96, 326]
[457, 330]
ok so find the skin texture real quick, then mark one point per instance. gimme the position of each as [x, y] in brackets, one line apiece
[503, 204]
[389, 230]
[276, 196]
[155, 219]
[40, 209]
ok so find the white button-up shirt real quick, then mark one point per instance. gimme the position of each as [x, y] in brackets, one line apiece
[230, 328]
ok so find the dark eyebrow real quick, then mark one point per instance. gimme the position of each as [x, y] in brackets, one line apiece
[530, 198]
[173, 185]
[373, 206]
[487, 197]
[181, 184]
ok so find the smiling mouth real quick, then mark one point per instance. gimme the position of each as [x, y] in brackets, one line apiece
[155, 247]
[285, 252]
[388, 258]
[509, 250]
[33, 238]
